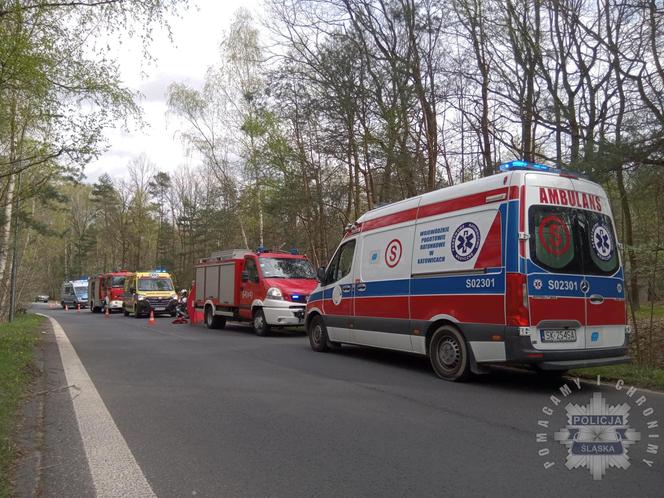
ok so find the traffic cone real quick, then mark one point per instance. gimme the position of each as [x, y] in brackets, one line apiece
[151, 320]
[107, 313]
[66, 307]
[78, 308]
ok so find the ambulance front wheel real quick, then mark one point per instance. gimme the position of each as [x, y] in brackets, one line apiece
[448, 354]
[317, 332]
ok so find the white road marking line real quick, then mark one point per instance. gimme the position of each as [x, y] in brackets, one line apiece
[114, 469]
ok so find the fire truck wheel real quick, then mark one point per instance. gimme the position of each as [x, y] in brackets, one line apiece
[448, 354]
[212, 321]
[317, 332]
[260, 325]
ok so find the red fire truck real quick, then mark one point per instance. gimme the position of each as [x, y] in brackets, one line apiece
[268, 288]
[106, 290]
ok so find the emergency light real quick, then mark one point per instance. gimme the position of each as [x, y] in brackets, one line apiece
[294, 251]
[526, 165]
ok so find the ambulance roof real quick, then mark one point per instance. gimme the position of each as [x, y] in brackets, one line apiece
[495, 182]
[461, 190]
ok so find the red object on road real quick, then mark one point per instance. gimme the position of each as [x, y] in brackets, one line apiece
[107, 313]
[66, 307]
[78, 308]
[151, 320]
[194, 317]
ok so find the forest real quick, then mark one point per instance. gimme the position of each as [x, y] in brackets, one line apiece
[317, 111]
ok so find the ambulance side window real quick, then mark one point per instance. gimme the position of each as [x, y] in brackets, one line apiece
[342, 263]
[250, 268]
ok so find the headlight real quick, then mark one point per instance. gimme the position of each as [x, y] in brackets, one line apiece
[174, 296]
[275, 293]
[140, 297]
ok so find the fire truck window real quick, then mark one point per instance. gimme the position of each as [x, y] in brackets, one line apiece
[250, 268]
[341, 263]
[118, 281]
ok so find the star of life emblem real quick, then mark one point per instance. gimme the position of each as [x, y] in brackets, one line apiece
[597, 436]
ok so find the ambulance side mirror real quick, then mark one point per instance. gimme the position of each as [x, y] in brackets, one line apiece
[245, 276]
[320, 275]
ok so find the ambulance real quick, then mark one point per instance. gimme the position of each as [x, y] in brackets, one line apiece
[268, 288]
[150, 291]
[106, 291]
[521, 268]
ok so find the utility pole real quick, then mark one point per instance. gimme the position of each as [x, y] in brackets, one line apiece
[14, 269]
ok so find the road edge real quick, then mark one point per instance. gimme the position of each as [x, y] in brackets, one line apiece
[114, 470]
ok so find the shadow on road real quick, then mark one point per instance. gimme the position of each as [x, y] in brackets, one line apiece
[499, 377]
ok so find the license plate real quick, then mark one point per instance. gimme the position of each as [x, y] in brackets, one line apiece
[159, 308]
[558, 335]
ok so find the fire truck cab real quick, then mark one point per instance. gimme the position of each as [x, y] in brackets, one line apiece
[106, 291]
[268, 288]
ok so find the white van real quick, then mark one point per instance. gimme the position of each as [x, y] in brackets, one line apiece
[521, 267]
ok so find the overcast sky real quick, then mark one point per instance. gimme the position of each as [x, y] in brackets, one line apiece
[196, 37]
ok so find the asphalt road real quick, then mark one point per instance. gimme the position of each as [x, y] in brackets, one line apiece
[227, 413]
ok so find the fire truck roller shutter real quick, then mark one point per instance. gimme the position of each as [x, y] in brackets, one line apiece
[227, 284]
[211, 280]
[200, 283]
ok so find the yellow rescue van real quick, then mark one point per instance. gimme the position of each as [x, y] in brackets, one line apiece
[149, 291]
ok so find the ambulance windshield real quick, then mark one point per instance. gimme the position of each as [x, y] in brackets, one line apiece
[567, 240]
[148, 284]
[286, 268]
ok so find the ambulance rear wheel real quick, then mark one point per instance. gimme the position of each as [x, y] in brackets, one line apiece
[317, 332]
[448, 354]
[260, 325]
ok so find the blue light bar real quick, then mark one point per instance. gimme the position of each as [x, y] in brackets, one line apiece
[294, 251]
[526, 165]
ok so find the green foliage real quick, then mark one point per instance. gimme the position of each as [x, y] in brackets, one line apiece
[17, 342]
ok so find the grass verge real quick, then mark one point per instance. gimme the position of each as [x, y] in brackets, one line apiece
[636, 375]
[17, 342]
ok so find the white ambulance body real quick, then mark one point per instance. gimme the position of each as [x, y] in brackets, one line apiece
[521, 267]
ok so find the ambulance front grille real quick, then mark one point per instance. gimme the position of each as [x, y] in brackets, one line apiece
[156, 301]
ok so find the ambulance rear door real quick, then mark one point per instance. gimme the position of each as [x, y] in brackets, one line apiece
[554, 264]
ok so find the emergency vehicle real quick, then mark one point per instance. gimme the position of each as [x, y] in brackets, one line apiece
[74, 293]
[520, 267]
[267, 288]
[106, 291]
[149, 291]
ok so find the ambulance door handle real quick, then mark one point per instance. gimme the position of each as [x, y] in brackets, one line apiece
[596, 299]
[345, 288]
[361, 287]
